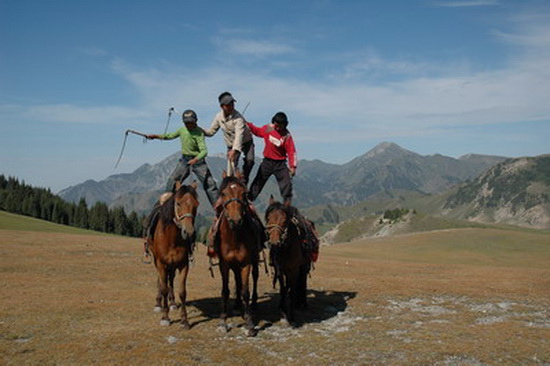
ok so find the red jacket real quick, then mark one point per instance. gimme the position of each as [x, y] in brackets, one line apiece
[277, 146]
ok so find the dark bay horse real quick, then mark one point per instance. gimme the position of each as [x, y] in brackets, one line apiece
[171, 246]
[238, 249]
[288, 256]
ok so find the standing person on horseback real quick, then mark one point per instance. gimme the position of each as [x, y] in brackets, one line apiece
[236, 134]
[238, 140]
[193, 158]
[279, 146]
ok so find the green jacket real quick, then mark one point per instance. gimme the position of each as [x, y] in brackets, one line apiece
[192, 141]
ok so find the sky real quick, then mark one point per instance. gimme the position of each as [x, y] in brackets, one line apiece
[449, 77]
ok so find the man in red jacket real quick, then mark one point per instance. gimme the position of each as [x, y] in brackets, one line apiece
[279, 146]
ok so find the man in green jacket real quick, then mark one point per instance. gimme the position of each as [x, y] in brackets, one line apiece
[193, 154]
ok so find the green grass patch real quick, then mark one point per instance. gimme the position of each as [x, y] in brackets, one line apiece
[9, 221]
[483, 247]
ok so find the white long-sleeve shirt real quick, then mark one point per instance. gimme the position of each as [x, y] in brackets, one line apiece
[234, 127]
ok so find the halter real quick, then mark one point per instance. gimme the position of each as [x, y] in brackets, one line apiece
[179, 218]
[282, 231]
[234, 199]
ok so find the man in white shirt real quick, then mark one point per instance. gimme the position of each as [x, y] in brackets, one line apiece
[236, 134]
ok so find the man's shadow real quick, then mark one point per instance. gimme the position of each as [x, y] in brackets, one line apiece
[322, 305]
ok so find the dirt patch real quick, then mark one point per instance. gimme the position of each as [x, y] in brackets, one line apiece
[75, 299]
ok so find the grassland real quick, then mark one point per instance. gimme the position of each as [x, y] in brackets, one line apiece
[9, 221]
[470, 296]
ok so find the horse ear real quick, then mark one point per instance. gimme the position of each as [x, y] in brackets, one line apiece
[178, 185]
[224, 174]
[195, 185]
[238, 174]
[271, 200]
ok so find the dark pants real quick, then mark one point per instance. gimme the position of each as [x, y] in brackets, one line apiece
[269, 167]
[248, 159]
[202, 172]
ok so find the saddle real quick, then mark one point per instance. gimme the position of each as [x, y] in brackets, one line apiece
[308, 233]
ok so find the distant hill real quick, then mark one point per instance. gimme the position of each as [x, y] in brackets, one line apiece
[385, 168]
[515, 191]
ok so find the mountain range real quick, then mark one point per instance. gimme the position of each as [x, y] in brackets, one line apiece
[380, 174]
[384, 168]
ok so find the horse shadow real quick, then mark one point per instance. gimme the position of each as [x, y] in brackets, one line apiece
[322, 305]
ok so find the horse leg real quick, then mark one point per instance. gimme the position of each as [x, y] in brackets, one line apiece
[238, 291]
[255, 275]
[158, 305]
[283, 290]
[164, 290]
[302, 286]
[293, 284]
[245, 293]
[171, 296]
[224, 272]
[183, 297]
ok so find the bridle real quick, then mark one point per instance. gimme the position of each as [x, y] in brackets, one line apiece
[239, 200]
[179, 218]
[283, 231]
[234, 199]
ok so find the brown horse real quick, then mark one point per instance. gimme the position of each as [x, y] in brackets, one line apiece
[288, 256]
[171, 246]
[238, 249]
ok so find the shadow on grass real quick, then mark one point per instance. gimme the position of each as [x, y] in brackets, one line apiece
[322, 305]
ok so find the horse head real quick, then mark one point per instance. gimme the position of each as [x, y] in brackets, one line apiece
[185, 209]
[276, 218]
[233, 199]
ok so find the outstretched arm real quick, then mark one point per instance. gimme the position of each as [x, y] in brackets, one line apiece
[256, 131]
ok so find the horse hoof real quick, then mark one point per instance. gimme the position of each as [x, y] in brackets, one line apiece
[173, 307]
[165, 322]
[185, 325]
[157, 309]
[252, 332]
[224, 327]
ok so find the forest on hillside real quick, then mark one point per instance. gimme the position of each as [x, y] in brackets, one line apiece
[20, 198]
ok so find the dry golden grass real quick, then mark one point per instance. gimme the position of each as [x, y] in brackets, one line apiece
[447, 298]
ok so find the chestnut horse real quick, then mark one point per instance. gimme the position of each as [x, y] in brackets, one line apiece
[288, 256]
[238, 249]
[171, 246]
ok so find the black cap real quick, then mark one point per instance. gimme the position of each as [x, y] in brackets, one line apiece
[189, 116]
[226, 98]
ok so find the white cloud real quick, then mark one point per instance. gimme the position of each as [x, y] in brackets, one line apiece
[466, 3]
[418, 100]
[249, 47]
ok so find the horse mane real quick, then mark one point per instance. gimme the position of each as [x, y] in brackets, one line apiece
[166, 212]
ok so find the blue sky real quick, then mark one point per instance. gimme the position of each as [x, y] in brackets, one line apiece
[436, 77]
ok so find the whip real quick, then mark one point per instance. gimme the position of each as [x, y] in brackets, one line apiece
[124, 142]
